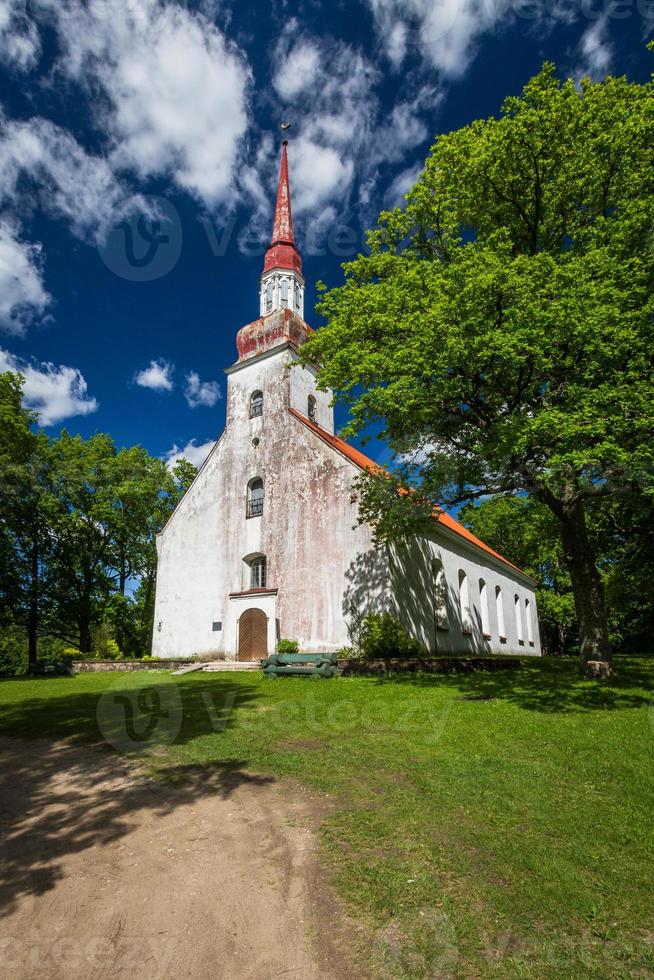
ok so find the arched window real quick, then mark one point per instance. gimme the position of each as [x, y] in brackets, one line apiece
[311, 408]
[256, 404]
[258, 573]
[499, 609]
[518, 619]
[464, 603]
[269, 296]
[440, 596]
[483, 606]
[530, 624]
[297, 297]
[255, 498]
[284, 292]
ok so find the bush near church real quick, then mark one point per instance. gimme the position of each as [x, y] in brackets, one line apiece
[383, 635]
[288, 646]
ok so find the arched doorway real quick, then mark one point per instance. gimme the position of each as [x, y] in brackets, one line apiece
[253, 635]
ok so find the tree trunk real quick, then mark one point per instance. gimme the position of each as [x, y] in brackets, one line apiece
[122, 584]
[84, 634]
[587, 587]
[33, 613]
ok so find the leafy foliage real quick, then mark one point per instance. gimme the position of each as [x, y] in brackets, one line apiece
[288, 646]
[78, 519]
[501, 326]
[384, 636]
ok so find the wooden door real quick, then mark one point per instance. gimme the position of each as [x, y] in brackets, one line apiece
[253, 635]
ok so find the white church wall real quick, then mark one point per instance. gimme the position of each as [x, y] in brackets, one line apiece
[302, 385]
[413, 570]
[187, 603]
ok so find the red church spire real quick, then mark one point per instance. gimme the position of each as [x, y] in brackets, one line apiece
[282, 252]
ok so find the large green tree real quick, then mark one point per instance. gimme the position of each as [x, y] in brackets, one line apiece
[24, 530]
[78, 520]
[501, 326]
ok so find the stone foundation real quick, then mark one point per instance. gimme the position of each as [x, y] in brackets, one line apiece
[95, 666]
[428, 665]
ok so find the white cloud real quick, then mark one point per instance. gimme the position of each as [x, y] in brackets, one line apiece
[298, 71]
[158, 376]
[23, 297]
[401, 184]
[41, 161]
[194, 453]
[198, 392]
[174, 99]
[444, 32]
[20, 44]
[595, 51]
[319, 174]
[56, 392]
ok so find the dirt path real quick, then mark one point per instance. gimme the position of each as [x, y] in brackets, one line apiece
[107, 874]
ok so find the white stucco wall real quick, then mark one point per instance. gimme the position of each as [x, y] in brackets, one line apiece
[413, 588]
[319, 559]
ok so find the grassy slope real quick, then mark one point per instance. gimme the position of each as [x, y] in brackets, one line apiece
[501, 837]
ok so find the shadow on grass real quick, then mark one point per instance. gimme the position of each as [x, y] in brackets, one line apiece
[58, 797]
[549, 685]
[198, 706]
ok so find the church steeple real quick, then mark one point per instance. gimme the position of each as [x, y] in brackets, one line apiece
[282, 282]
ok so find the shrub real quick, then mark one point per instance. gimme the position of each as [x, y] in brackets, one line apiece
[384, 636]
[288, 646]
[60, 664]
[13, 653]
[348, 653]
[104, 646]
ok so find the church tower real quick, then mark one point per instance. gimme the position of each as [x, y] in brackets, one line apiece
[267, 345]
[282, 282]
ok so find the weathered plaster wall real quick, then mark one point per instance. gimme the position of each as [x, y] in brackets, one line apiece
[307, 531]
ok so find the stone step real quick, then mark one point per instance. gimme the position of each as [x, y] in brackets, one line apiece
[232, 665]
[188, 669]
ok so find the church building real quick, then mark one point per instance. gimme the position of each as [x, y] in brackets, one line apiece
[266, 543]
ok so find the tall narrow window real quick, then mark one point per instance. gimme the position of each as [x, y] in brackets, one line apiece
[269, 296]
[518, 620]
[464, 603]
[440, 596]
[284, 293]
[499, 609]
[530, 624]
[483, 606]
[255, 498]
[297, 296]
[256, 404]
[311, 408]
[258, 573]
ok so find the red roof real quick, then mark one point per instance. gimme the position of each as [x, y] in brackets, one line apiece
[365, 463]
[282, 252]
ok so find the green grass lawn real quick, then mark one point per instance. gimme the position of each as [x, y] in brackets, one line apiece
[487, 825]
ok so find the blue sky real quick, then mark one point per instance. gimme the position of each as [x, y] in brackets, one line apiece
[139, 150]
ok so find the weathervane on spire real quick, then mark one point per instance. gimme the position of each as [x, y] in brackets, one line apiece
[285, 126]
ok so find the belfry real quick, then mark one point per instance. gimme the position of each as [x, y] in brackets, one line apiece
[282, 282]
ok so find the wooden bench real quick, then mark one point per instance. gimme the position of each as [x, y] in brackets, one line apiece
[309, 664]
